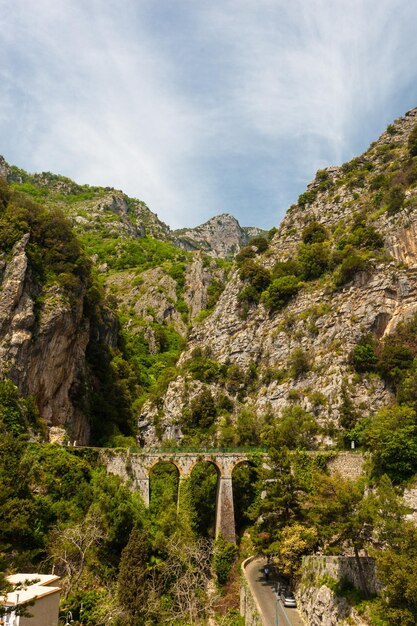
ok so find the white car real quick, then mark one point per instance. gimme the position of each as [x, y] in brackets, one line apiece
[288, 599]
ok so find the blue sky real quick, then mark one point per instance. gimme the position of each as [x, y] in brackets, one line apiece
[201, 107]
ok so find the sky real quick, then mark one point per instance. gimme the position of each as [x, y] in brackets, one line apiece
[201, 107]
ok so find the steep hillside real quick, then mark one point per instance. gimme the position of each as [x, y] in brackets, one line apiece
[88, 363]
[340, 271]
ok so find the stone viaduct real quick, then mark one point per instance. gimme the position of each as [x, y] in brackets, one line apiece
[136, 467]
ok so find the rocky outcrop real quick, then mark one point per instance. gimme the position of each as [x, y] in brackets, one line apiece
[321, 575]
[322, 322]
[222, 236]
[43, 351]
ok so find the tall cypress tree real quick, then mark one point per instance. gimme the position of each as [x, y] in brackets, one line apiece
[133, 585]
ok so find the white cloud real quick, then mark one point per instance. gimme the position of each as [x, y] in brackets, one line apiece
[199, 108]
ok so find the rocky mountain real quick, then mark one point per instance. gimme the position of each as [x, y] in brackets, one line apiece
[341, 267]
[80, 357]
[108, 212]
[120, 327]
[221, 236]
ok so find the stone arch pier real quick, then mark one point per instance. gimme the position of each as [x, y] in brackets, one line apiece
[136, 467]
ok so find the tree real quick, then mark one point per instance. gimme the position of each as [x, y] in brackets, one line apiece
[299, 362]
[255, 274]
[295, 541]
[340, 513]
[202, 412]
[396, 569]
[296, 429]
[133, 581]
[391, 435]
[185, 576]
[281, 502]
[70, 547]
[363, 357]
[412, 142]
[224, 555]
[314, 259]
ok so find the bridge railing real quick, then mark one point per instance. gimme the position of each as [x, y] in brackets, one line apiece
[197, 450]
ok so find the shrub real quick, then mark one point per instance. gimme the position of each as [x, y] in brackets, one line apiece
[412, 142]
[257, 275]
[245, 253]
[391, 435]
[380, 181]
[224, 556]
[261, 244]
[249, 295]
[363, 357]
[314, 260]
[286, 268]
[351, 265]
[202, 412]
[394, 360]
[299, 362]
[296, 429]
[203, 369]
[307, 197]
[314, 232]
[280, 291]
[395, 200]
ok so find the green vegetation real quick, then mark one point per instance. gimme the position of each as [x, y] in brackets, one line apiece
[54, 253]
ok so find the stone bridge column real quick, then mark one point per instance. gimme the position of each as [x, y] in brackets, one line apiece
[143, 487]
[225, 514]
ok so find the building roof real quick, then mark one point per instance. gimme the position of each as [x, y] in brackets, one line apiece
[41, 579]
[29, 592]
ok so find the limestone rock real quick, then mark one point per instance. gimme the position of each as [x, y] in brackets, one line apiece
[221, 236]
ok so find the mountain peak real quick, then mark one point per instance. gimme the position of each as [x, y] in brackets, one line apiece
[221, 236]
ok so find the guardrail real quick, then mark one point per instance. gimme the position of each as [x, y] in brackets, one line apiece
[249, 607]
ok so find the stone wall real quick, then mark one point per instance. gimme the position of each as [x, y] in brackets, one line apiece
[350, 465]
[317, 600]
[248, 606]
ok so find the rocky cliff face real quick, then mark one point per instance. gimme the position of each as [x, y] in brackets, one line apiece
[252, 355]
[322, 322]
[42, 349]
[222, 236]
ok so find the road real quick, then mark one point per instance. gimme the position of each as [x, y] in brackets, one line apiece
[264, 593]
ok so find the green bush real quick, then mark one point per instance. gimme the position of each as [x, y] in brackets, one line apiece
[202, 411]
[299, 362]
[307, 198]
[353, 263]
[395, 199]
[314, 260]
[245, 253]
[258, 276]
[412, 142]
[204, 369]
[249, 295]
[391, 435]
[395, 358]
[363, 357]
[224, 556]
[314, 232]
[261, 244]
[280, 291]
[286, 268]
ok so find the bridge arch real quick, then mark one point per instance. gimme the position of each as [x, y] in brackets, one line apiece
[161, 461]
[204, 479]
[163, 487]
